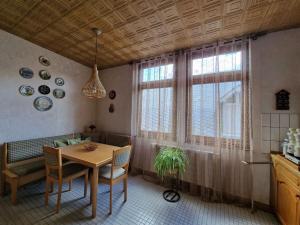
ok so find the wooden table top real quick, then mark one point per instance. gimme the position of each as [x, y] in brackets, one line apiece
[100, 156]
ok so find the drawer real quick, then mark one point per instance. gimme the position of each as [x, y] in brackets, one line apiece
[283, 173]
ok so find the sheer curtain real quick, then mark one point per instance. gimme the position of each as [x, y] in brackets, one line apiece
[199, 100]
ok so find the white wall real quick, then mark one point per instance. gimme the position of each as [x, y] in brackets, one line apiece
[275, 66]
[118, 79]
[18, 118]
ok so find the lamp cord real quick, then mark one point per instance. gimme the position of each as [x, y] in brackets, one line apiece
[96, 49]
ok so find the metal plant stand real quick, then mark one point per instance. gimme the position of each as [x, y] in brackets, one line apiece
[172, 195]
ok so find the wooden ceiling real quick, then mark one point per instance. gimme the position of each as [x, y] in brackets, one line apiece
[134, 29]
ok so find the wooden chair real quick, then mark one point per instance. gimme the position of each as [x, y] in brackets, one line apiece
[57, 172]
[116, 171]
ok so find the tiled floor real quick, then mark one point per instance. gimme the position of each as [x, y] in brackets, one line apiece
[144, 206]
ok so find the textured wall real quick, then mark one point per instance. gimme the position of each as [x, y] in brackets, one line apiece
[18, 118]
[118, 79]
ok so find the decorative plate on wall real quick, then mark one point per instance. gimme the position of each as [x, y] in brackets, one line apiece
[112, 94]
[59, 81]
[44, 61]
[45, 75]
[59, 93]
[26, 90]
[44, 89]
[43, 103]
[26, 72]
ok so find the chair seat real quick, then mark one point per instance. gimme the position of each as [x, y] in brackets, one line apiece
[105, 172]
[28, 168]
[69, 170]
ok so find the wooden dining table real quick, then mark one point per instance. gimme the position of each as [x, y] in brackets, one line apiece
[94, 157]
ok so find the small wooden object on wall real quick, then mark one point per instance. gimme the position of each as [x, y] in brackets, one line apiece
[111, 108]
[282, 100]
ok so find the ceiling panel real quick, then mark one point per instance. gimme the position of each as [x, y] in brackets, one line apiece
[139, 28]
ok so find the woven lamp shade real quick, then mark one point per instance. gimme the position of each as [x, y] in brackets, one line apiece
[93, 87]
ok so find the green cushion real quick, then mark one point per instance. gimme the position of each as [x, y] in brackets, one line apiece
[28, 168]
[74, 141]
[60, 143]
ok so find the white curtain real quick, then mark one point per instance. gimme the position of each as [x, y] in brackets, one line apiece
[197, 99]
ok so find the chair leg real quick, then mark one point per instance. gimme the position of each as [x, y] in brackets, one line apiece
[125, 189]
[70, 185]
[59, 196]
[86, 181]
[47, 191]
[14, 189]
[110, 199]
[3, 184]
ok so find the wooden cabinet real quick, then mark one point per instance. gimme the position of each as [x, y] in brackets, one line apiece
[287, 190]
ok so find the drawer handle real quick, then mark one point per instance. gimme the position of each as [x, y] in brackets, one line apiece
[281, 182]
[298, 197]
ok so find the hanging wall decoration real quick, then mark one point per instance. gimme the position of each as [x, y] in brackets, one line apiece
[112, 94]
[45, 75]
[44, 89]
[59, 81]
[43, 103]
[282, 100]
[26, 73]
[111, 108]
[26, 90]
[44, 61]
[59, 93]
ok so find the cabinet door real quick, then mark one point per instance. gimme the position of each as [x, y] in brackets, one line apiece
[287, 204]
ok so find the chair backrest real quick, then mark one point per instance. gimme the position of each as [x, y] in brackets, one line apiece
[121, 157]
[53, 159]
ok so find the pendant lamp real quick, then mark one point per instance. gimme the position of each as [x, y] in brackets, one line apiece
[93, 87]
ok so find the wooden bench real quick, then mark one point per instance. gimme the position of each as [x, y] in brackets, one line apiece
[22, 162]
[20, 173]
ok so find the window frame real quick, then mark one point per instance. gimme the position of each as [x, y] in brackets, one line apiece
[211, 78]
[156, 84]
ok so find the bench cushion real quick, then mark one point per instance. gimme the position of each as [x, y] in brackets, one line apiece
[28, 149]
[28, 168]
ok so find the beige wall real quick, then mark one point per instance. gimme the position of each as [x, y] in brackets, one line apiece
[275, 66]
[18, 118]
[118, 79]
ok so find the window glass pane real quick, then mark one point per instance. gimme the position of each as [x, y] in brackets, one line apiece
[158, 73]
[230, 104]
[225, 62]
[157, 110]
[204, 109]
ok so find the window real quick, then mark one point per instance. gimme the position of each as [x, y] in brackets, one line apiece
[215, 103]
[157, 99]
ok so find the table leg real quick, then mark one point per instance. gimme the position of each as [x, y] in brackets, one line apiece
[94, 191]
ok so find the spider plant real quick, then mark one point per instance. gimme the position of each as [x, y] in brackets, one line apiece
[170, 161]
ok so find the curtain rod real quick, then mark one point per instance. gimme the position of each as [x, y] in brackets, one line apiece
[252, 36]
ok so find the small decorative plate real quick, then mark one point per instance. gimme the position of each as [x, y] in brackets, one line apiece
[43, 103]
[45, 75]
[26, 72]
[59, 81]
[44, 61]
[112, 94]
[26, 90]
[59, 93]
[44, 89]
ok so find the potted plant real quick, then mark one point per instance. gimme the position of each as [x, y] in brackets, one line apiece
[170, 161]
